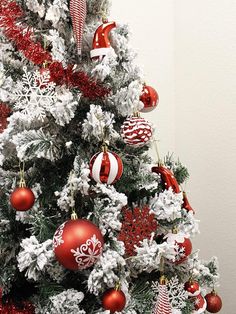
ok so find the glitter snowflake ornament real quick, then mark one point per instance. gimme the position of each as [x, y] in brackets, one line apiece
[138, 224]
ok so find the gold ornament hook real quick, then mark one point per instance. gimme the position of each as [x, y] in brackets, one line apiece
[22, 183]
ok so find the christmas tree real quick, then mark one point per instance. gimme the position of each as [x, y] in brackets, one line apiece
[88, 222]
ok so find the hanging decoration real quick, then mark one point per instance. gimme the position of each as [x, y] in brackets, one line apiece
[168, 178]
[192, 287]
[78, 244]
[162, 305]
[114, 300]
[78, 12]
[199, 304]
[101, 42]
[149, 98]
[5, 112]
[214, 302]
[106, 167]
[136, 131]
[186, 204]
[138, 224]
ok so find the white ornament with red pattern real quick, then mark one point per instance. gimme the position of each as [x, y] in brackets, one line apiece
[199, 304]
[183, 246]
[136, 131]
[106, 167]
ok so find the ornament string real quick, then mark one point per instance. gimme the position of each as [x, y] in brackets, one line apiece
[74, 215]
[159, 162]
[22, 183]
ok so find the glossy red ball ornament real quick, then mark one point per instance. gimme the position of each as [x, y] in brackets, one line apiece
[101, 42]
[136, 131]
[22, 199]
[168, 178]
[214, 302]
[114, 300]
[199, 304]
[106, 167]
[78, 244]
[183, 246]
[149, 98]
[192, 287]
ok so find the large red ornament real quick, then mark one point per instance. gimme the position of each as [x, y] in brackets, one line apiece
[114, 300]
[183, 246]
[78, 12]
[101, 42]
[78, 244]
[199, 304]
[167, 177]
[136, 131]
[22, 199]
[106, 167]
[138, 224]
[4, 114]
[149, 98]
[192, 287]
[214, 302]
[186, 204]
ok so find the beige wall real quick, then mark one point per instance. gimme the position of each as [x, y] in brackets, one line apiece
[188, 52]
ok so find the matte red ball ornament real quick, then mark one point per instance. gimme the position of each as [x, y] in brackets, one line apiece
[214, 302]
[183, 246]
[78, 244]
[192, 287]
[101, 42]
[168, 178]
[106, 167]
[22, 199]
[149, 98]
[114, 300]
[136, 131]
[199, 304]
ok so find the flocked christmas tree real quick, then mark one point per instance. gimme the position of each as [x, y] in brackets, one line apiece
[88, 223]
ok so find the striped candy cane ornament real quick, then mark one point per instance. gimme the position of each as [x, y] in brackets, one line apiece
[78, 12]
[162, 305]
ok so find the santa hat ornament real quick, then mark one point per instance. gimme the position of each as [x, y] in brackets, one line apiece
[78, 12]
[186, 204]
[199, 304]
[168, 178]
[101, 42]
[162, 305]
[106, 167]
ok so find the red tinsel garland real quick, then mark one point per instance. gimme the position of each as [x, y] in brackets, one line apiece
[22, 37]
[138, 224]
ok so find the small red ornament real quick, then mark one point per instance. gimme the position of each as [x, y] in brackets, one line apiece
[136, 131]
[114, 300]
[214, 302]
[106, 167]
[101, 42]
[22, 199]
[78, 12]
[78, 244]
[4, 114]
[138, 224]
[192, 287]
[199, 304]
[167, 177]
[149, 98]
[186, 204]
[184, 246]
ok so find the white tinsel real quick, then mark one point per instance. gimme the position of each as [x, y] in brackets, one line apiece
[97, 122]
[167, 205]
[34, 256]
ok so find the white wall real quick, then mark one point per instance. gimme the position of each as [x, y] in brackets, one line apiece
[188, 51]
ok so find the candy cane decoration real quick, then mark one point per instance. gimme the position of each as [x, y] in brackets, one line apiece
[78, 12]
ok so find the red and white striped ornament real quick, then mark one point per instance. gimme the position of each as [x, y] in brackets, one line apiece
[200, 304]
[106, 167]
[163, 305]
[136, 131]
[78, 12]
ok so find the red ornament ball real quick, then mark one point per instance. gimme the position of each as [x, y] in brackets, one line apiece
[78, 244]
[106, 167]
[214, 302]
[114, 300]
[149, 98]
[136, 131]
[199, 304]
[183, 246]
[192, 287]
[22, 199]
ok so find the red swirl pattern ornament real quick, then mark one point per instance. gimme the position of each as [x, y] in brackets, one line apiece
[199, 304]
[106, 167]
[78, 12]
[136, 131]
[78, 244]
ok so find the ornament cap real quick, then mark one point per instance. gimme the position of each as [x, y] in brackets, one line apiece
[163, 280]
[74, 216]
